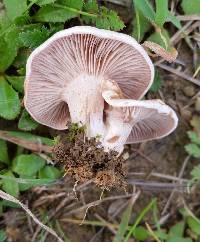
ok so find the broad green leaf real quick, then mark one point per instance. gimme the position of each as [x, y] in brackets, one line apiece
[196, 172]
[109, 20]
[161, 12]
[103, 17]
[194, 225]
[157, 83]
[76, 4]
[52, 13]
[140, 233]
[8, 48]
[15, 8]
[35, 37]
[191, 6]
[193, 149]
[179, 239]
[161, 234]
[49, 172]
[44, 2]
[119, 237]
[141, 25]
[3, 152]
[177, 230]
[26, 122]
[17, 82]
[23, 20]
[9, 186]
[27, 165]
[193, 137]
[145, 7]
[2, 235]
[173, 19]
[9, 101]
[30, 137]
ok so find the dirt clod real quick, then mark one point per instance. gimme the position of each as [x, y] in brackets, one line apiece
[84, 159]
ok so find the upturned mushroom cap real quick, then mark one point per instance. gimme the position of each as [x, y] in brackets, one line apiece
[133, 121]
[64, 75]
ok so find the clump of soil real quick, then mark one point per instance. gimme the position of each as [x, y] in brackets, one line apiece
[84, 159]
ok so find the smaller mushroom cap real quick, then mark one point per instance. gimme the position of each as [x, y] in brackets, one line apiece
[134, 121]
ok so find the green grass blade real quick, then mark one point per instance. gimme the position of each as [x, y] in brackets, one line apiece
[123, 227]
[139, 218]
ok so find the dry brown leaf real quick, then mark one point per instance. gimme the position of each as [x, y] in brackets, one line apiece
[160, 51]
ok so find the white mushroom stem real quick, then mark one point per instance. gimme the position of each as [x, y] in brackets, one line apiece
[85, 103]
[117, 133]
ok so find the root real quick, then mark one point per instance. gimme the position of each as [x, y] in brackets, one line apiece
[92, 205]
[84, 159]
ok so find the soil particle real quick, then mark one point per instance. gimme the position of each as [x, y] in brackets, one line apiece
[84, 159]
[189, 91]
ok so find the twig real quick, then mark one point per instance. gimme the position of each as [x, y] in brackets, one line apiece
[60, 206]
[192, 100]
[106, 223]
[10, 198]
[30, 145]
[178, 73]
[159, 175]
[120, 208]
[184, 32]
[179, 176]
[92, 205]
[99, 201]
[48, 198]
[192, 17]
[30, 225]
[45, 157]
[156, 185]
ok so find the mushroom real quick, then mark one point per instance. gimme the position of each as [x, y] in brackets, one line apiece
[134, 121]
[95, 77]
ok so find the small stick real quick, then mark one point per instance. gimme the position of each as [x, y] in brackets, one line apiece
[160, 175]
[97, 201]
[10, 198]
[178, 73]
[179, 176]
[106, 223]
[192, 17]
[92, 205]
[30, 145]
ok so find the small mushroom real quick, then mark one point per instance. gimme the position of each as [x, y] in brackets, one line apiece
[94, 77]
[134, 121]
